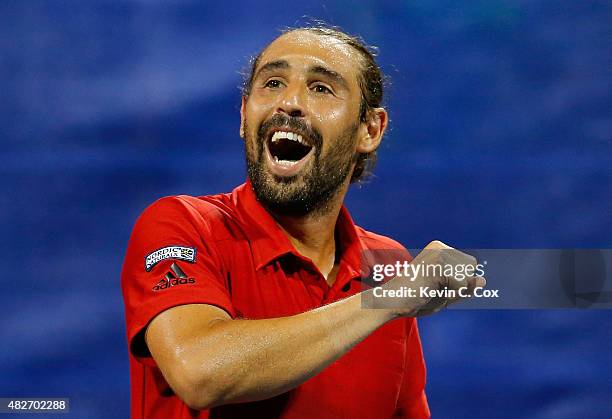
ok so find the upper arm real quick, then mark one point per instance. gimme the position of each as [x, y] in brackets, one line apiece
[176, 339]
[171, 261]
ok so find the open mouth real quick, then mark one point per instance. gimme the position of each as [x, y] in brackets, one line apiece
[288, 147]
[287, 152]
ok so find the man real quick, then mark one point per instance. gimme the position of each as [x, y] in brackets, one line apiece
[249, 304]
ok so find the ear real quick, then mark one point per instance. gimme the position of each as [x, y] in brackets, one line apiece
[242, 113]
[372, 130]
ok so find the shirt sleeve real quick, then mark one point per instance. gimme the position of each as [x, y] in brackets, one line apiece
[412, 401]
[171, 260]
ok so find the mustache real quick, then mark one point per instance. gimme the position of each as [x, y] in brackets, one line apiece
[294, 124]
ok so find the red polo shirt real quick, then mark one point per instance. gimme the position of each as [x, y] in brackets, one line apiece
[226, 250]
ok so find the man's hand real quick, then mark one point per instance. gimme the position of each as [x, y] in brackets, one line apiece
[435, 274]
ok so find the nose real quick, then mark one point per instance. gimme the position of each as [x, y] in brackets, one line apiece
[292, 102]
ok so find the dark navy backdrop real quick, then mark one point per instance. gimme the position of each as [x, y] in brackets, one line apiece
[501, 137]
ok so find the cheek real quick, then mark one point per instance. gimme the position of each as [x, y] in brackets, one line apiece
[342, 144]
[335, 111]
[253, 115]
[335, 122]
[332, 115]
[260, 103]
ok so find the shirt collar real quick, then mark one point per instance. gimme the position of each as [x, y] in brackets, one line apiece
[270, 242]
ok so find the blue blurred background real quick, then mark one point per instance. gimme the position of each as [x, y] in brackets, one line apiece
[501, 116]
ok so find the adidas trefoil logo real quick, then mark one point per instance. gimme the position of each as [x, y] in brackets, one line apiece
[174, 277]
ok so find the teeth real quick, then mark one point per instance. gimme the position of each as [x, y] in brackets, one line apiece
[288, 135]
[287, 163]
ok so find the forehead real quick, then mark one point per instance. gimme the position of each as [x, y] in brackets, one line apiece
[304, 49]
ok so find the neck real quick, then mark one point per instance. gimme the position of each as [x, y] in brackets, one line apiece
[313, 235]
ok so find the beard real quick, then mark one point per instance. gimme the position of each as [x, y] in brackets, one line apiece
[309, 191]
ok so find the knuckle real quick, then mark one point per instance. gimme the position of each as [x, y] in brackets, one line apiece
[436, 244]
[472, 260]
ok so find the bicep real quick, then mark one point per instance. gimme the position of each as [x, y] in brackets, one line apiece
[173, 335]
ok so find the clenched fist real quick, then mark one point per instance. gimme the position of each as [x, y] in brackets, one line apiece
[438, 276]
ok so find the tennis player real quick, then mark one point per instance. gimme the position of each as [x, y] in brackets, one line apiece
[249, 304]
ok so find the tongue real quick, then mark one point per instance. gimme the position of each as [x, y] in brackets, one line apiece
[285, 149]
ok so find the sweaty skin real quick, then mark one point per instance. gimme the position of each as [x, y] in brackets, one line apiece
[330, 105]
[210, 359]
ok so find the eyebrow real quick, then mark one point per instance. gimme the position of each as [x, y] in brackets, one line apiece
[330, 74]
[272, 65]
[317, 69]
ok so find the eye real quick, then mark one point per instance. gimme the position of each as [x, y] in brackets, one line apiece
[273, 84]
[321, 88]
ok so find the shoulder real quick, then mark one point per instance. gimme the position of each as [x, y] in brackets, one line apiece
[374, 241]
[206, 210]
[202, 205]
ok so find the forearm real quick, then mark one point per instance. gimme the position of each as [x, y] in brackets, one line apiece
[246, 360]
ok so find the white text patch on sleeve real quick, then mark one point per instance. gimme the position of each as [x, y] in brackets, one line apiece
[170, 252]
